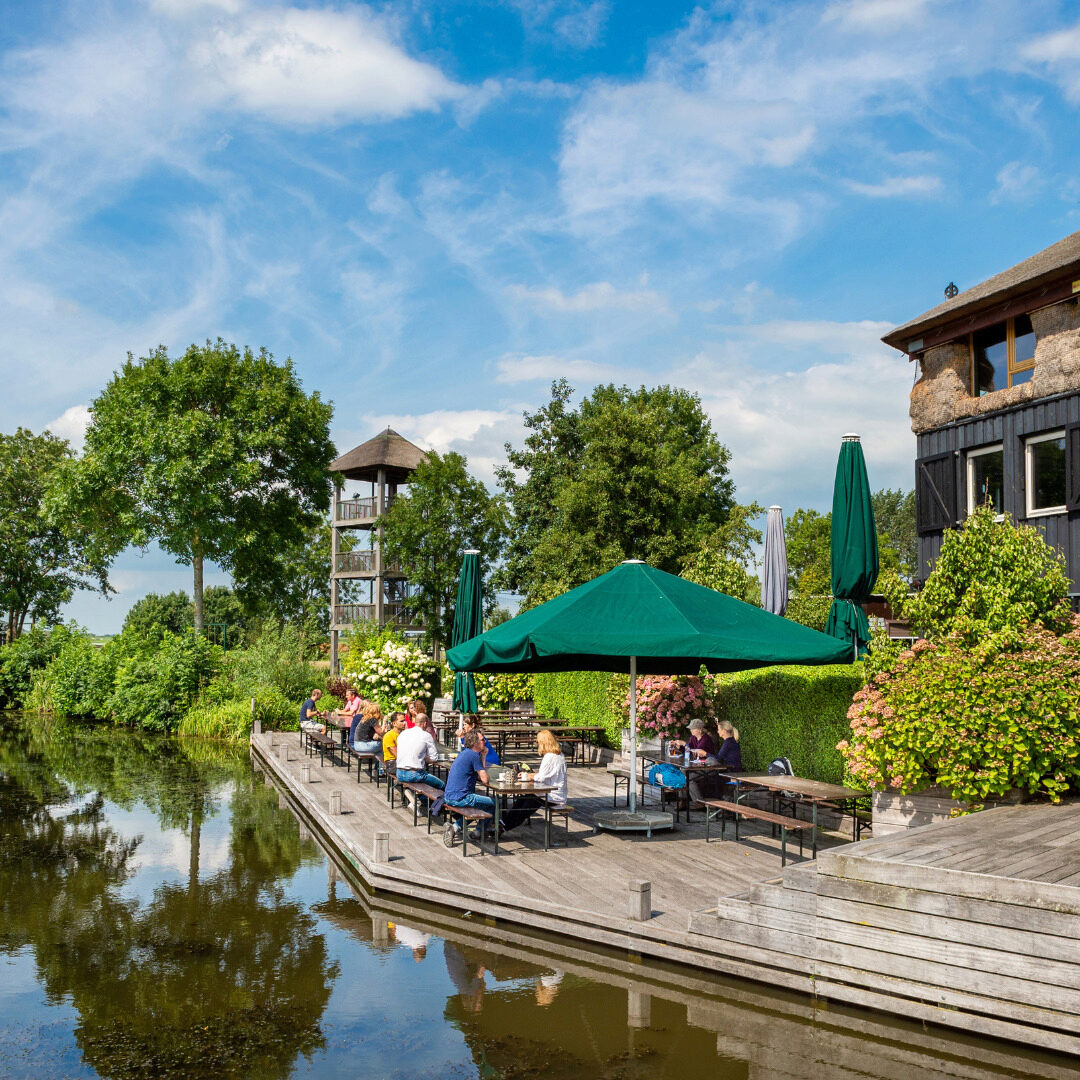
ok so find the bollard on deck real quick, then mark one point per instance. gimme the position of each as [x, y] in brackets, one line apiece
[640, 901]
[382, 847]
[335, 802]
[305, 773]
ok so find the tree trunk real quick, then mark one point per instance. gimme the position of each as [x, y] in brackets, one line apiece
[197, 589]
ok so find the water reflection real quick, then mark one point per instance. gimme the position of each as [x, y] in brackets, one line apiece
[220, 974]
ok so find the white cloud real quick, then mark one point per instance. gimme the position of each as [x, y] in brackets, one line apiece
[71, 425]
[893, 187]
[878, 16]
[584, 27]
[597, 296]
[1060, 52]
[518, 369]
[1016, 182]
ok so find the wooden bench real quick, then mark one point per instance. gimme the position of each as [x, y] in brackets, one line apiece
[723, 807]
[373, 762]
[468, 814]
[429, 792]
[550, 811]
[622, 776]
[323, 744]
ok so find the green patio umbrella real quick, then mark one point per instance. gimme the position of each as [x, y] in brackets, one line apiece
[643, 621]
[854, 548]
[467, 624]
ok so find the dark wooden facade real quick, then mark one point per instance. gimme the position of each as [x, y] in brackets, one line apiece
[941, 487]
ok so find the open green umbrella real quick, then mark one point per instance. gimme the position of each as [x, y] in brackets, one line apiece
[467, 624]
[854, 548]
[643, 621]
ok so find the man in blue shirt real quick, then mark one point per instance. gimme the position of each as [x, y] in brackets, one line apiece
[468, 767]
[309, 714]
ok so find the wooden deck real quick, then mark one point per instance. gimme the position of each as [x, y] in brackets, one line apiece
[940, 924]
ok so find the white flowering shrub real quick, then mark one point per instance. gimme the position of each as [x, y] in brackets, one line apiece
[392, 674]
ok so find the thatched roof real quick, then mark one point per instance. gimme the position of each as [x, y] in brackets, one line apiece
[1054, 263]
[388, 450]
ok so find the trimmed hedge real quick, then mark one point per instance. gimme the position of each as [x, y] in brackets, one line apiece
[581, 697]
[795, 712]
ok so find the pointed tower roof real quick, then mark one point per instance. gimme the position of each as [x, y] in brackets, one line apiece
[388, 450]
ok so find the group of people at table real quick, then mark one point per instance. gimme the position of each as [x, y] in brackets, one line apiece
[406, 743]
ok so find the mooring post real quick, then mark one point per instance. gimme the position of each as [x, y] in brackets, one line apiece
[640, 900]
[335, 802]
[639, 1009]
[256, 725]
[282, 802]
[382, 847]
[305, 773]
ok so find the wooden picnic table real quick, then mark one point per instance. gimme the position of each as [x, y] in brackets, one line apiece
[688, 769]
[500, 789]
[814, 792]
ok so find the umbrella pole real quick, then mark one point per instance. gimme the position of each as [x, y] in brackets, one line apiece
[633, 734]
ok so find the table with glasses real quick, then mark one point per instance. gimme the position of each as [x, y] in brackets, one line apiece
[694, 769]
[499, 790]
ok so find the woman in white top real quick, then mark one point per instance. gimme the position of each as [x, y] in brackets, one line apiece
[552, 772]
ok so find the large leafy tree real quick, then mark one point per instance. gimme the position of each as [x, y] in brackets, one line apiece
[807, 539]
[725, 560]
[159, 611]
[631, 474]
[898, 540]
[41, 564]
[445, 513]
[217, 454]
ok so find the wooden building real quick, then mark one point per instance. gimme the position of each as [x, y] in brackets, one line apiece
[996, 403]
[365, 587]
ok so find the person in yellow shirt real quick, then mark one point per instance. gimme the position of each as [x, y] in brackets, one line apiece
[389, 740]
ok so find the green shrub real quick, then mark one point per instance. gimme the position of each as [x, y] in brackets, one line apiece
[979, 722]
[809, 610]
[80, 678]
[28, 653]
[583, 697]
[228, 720]
[795, 712]
[498, 689]
[153, 690]
[275, 659]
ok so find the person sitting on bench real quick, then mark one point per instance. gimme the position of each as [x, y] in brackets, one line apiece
[309, 715]
[468, 767]
[366, 733]
[472, 723]
[552, 771]
[416, 749]
[389, 740]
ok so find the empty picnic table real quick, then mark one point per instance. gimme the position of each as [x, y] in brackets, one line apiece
[814, 792]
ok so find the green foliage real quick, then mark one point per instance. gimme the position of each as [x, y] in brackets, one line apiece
[273, 661]
[722, 561]
[218, 454]
[807, 539]
[583, 697]
[496, 690]
[154, 689]
[229, 720]
[898, 540]
[159, 611]
[977, 722]
[41, 564]
[445, 513]
[631, 474]
[810, 610]
[79, 680]
[29, 653]
[793, 712]
[991, 581]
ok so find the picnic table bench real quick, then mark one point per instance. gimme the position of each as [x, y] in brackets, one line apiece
[469, 814]
[723, 807]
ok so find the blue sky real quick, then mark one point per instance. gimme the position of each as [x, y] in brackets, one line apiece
[436, 208]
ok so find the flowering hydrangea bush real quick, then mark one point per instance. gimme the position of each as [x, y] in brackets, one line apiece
[978, 722]
[392, 674]
[667, 703]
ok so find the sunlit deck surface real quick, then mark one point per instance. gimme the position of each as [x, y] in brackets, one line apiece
[971, 923]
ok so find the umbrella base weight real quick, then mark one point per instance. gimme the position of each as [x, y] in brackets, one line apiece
[626, 821]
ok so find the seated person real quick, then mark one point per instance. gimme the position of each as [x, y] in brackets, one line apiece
[367, 730]
[729, 754]
[310, 715]
[702, 749]
[472, 723]
[468, 767]
[418, 717]
[700, 743]
[552, 771]
[416, 749]
[389, 740]
[353, 703]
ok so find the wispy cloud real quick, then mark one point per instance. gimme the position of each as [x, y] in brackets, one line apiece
[598, 296]
[897, 187]
[1060, 53]
[520, 369]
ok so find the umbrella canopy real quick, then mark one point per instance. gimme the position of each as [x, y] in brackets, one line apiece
[854, 547]
[467, 624]
[670, 625]
[639, 619]
[774, 569]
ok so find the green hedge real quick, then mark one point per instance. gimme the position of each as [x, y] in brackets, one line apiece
[796, 712]
[581, 697]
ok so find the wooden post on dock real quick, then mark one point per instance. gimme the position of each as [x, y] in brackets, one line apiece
[305, 773]
[282, 802]
[640, 901]
[382, 847]
[638, 1009]
[335, 803]
[256, 725]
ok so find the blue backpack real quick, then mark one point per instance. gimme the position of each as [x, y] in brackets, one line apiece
[667, 776]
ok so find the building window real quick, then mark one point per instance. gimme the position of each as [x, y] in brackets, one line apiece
[1045, 468]
[986, 478]
[1002, 355]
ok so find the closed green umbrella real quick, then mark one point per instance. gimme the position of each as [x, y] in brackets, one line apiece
[854, 548]
[467, 624]
[641, 620]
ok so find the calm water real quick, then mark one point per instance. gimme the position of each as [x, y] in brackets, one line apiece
[161, 917]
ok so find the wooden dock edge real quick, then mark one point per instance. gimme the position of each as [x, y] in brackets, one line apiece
[743, 948]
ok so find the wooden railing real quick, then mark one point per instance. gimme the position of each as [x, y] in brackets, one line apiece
[362, 562]
[359, 509]
[395, 614]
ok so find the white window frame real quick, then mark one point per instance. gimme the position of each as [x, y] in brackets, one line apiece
[1029, 475]
[969, 468]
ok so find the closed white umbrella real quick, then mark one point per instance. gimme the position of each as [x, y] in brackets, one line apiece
[774, 570]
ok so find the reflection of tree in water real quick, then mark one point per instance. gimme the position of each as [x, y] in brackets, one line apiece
[215, 977]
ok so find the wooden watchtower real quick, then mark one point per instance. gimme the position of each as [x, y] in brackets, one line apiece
[375, 589]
